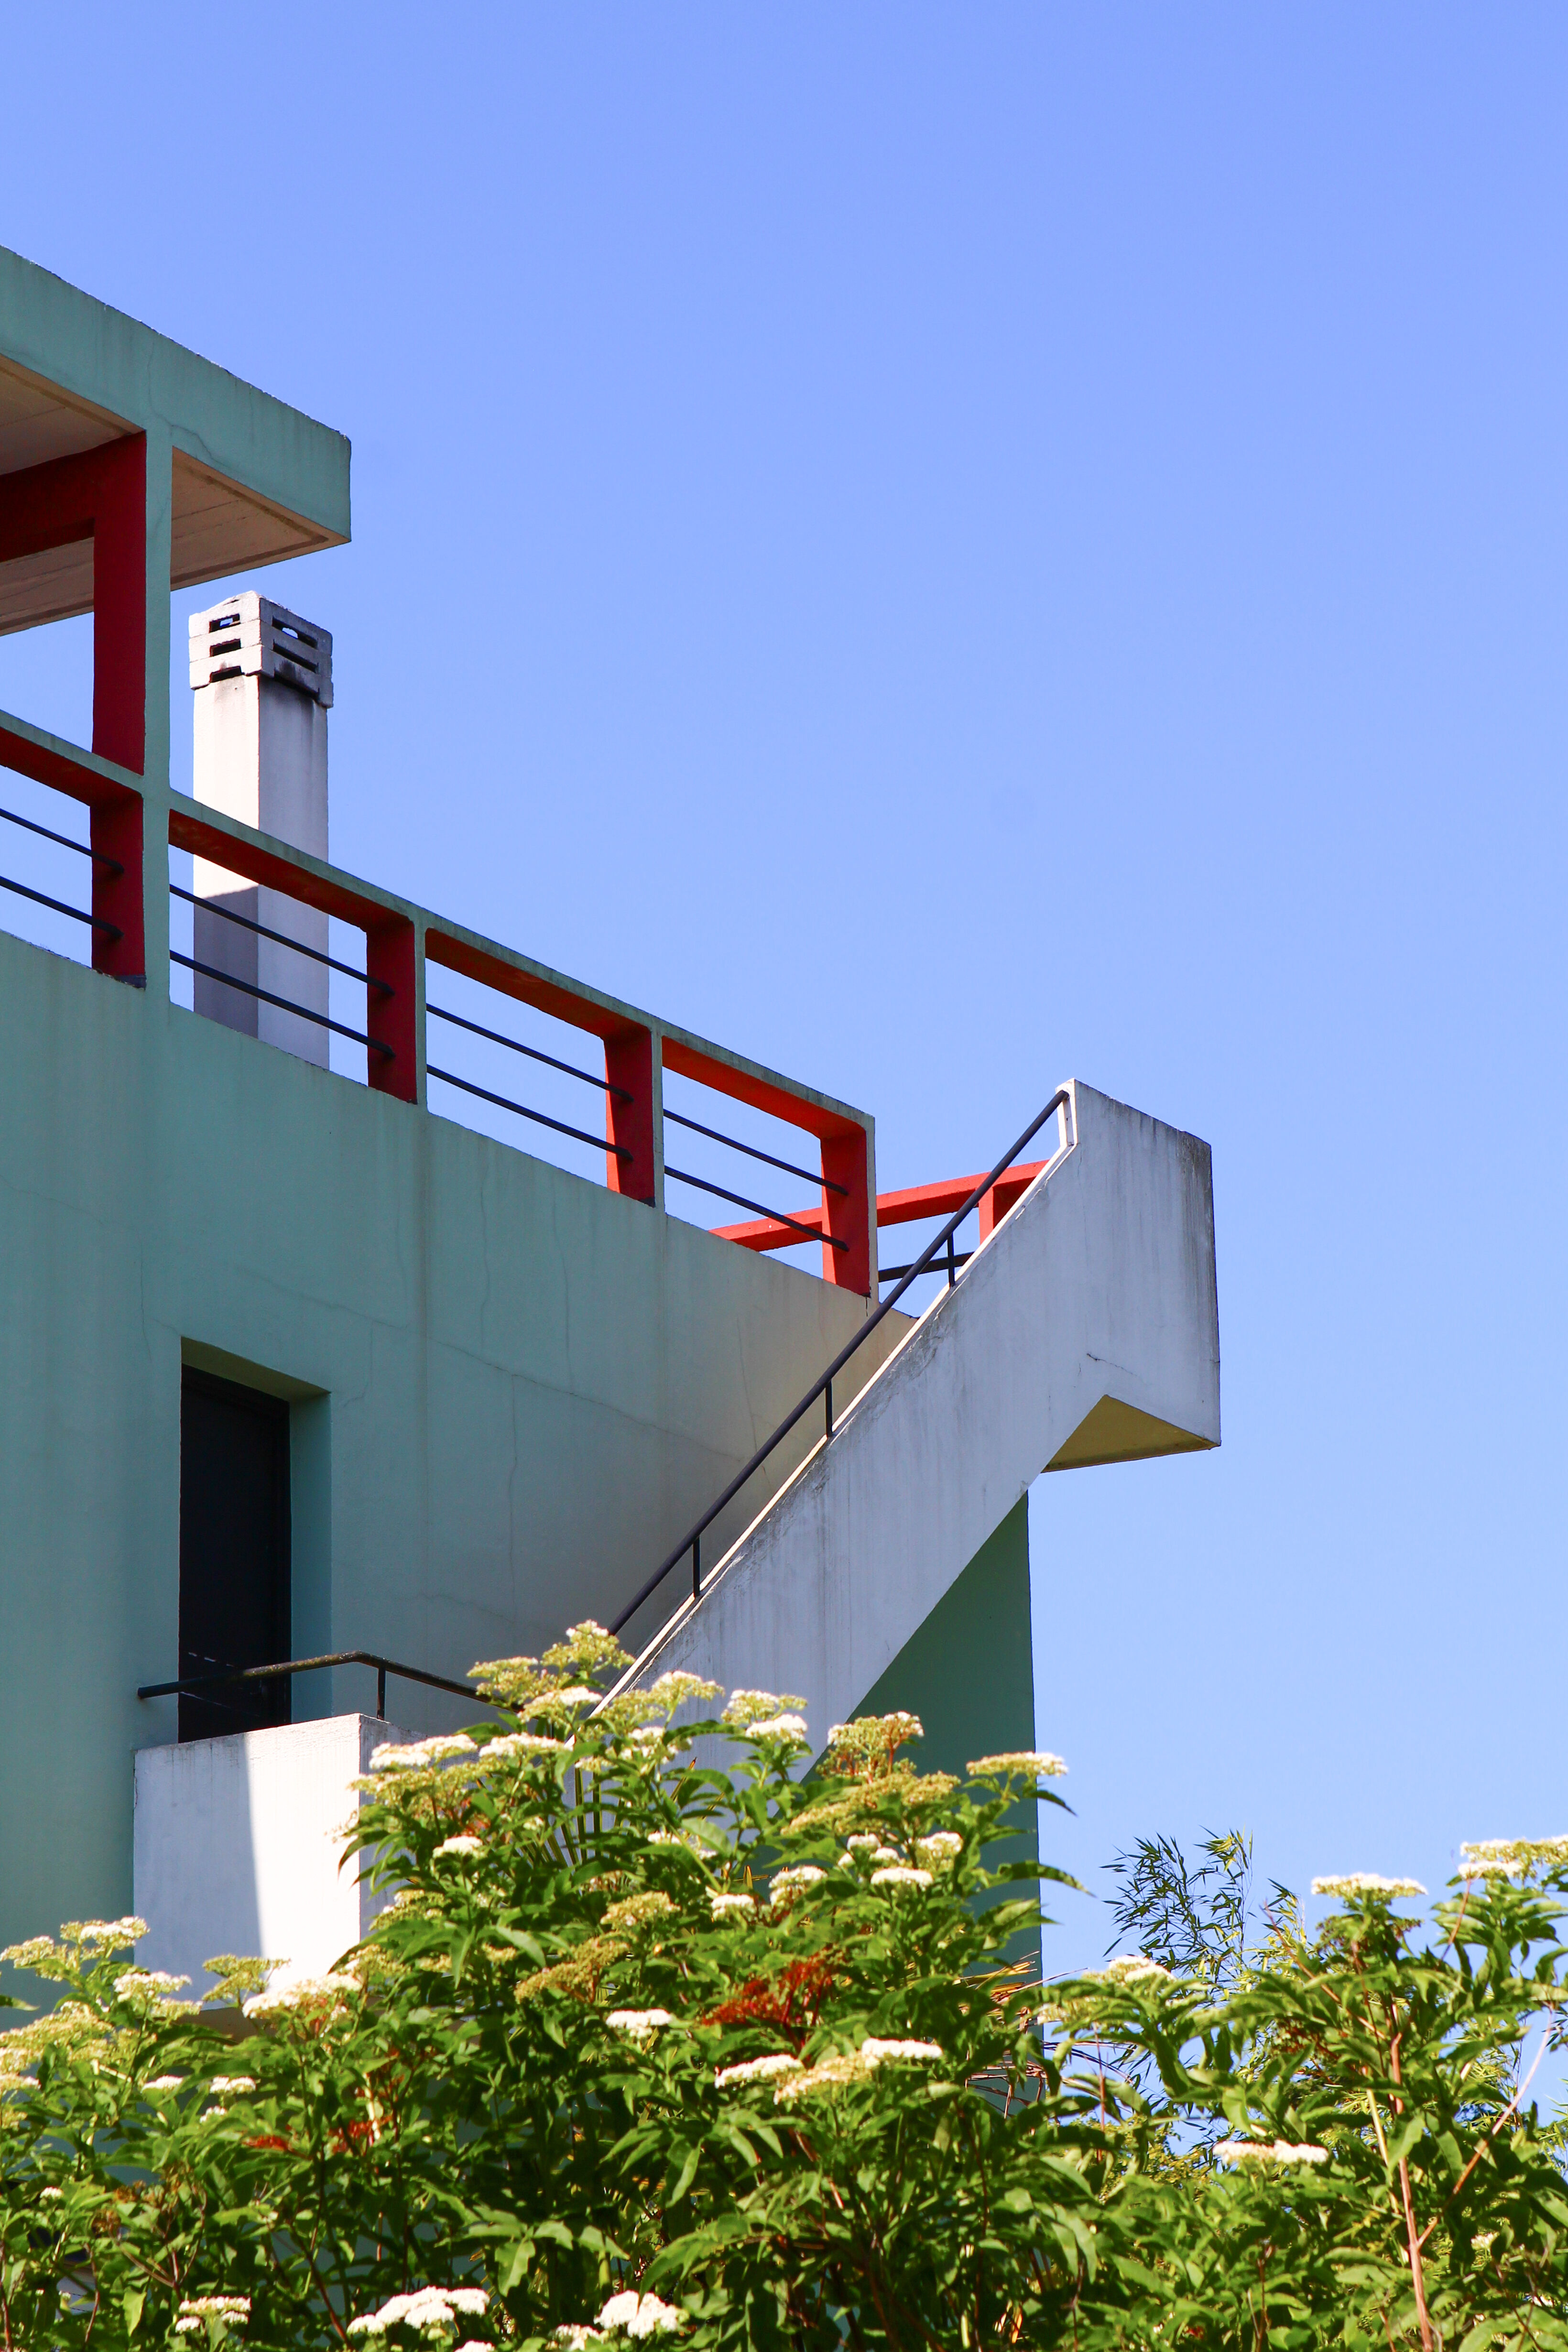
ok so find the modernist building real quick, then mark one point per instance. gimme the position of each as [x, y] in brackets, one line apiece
[295, 1362]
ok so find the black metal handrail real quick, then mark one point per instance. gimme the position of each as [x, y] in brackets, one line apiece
[948, 1264]
[317, 955]
[822, 1385]
[284, 1004]
[82, 848]
[384, 1666]
[497, 1037]
[80, 914]
[542, 1117]
[723, 1193]
[679, 1119]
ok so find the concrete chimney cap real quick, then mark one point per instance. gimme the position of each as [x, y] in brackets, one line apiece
[249, 635]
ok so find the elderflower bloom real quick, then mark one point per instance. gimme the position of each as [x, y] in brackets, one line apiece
[429, 2308]
[197, 2309]
[148, 1981]
[392, 1757]
[640, 2023]
[828, 2077]
[1039, 1761]
[518, 1743]
[879, 2053]
[899, 1874]
[301, 1994]
[1261, 2151]
[863, 1841]
[1512, 1857]
[757, 2070]
[789, 1882]
[460, 1845]
[93, 1932]
[164, 2082]
[640, 2316]
[732, 1906]
[233, 2083]
[1128, 1967]
[789, 1727]
[1366, 1882]
[942, 1848]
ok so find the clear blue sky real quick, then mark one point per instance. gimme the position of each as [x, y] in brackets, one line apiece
[953, 547]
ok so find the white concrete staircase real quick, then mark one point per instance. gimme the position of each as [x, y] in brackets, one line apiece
[1084, 1330]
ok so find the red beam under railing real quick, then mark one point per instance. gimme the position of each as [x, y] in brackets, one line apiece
[905, 1207]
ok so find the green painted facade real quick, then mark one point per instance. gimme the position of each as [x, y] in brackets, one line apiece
[510, 1389]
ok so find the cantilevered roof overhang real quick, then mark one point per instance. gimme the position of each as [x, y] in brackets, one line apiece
[253, 481]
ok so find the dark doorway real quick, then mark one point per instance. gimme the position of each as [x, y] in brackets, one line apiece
[234, 1551]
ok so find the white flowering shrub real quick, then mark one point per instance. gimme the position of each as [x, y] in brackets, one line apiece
[646, 2050]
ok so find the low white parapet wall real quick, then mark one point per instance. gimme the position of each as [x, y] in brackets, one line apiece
[240, 1846]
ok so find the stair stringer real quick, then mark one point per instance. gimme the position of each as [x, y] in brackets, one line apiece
[1099, 1285]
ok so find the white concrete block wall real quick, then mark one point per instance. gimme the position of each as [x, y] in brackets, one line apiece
[1090, 1314]
[238, 1844]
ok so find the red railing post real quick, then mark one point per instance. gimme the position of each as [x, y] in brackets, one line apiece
[392, 955]
[628, 1065]
[848, 1213]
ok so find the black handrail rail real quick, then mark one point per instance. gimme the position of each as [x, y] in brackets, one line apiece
[693, 1540]
[82, 848]
[679, 1119]
[723, 1193]
[504, 1102]
[25, 890]
[317, 955]
[284, 1004]
[384, 1666]
[499, 1037]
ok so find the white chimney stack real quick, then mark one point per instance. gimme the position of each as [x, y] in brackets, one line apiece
[262, 682]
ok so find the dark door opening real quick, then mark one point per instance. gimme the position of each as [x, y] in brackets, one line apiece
[234, 1551]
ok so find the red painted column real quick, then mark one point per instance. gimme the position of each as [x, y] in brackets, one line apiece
[628, 1063]
[119, 696]
[120, 601]
[116, 833]
[392, 955]
[848, 1213]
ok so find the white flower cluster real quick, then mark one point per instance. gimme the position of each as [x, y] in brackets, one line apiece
[898, 1873]
[460, 1845]
[233, 2083]
[151, 1984]
[879, 2053]
[757, 2070]
[863, 1841]
[745, 1708]
[518, 1743]
[1512, 1857]
[305, 1992]
[1037, 1762]
[1128, 1968]
[1367, 1882]
[732, 1906]
[627, 2313]
[940, 1849]
[390, 1757]
[1262, 2151]
[790, 1727]
[91, 1933]
[789, 1882]
[429, 2311]
[164, 2082]
[639, 2024]
[197, 2309]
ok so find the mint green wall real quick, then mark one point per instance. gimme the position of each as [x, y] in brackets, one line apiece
[969, 1671]
[512, 1389]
